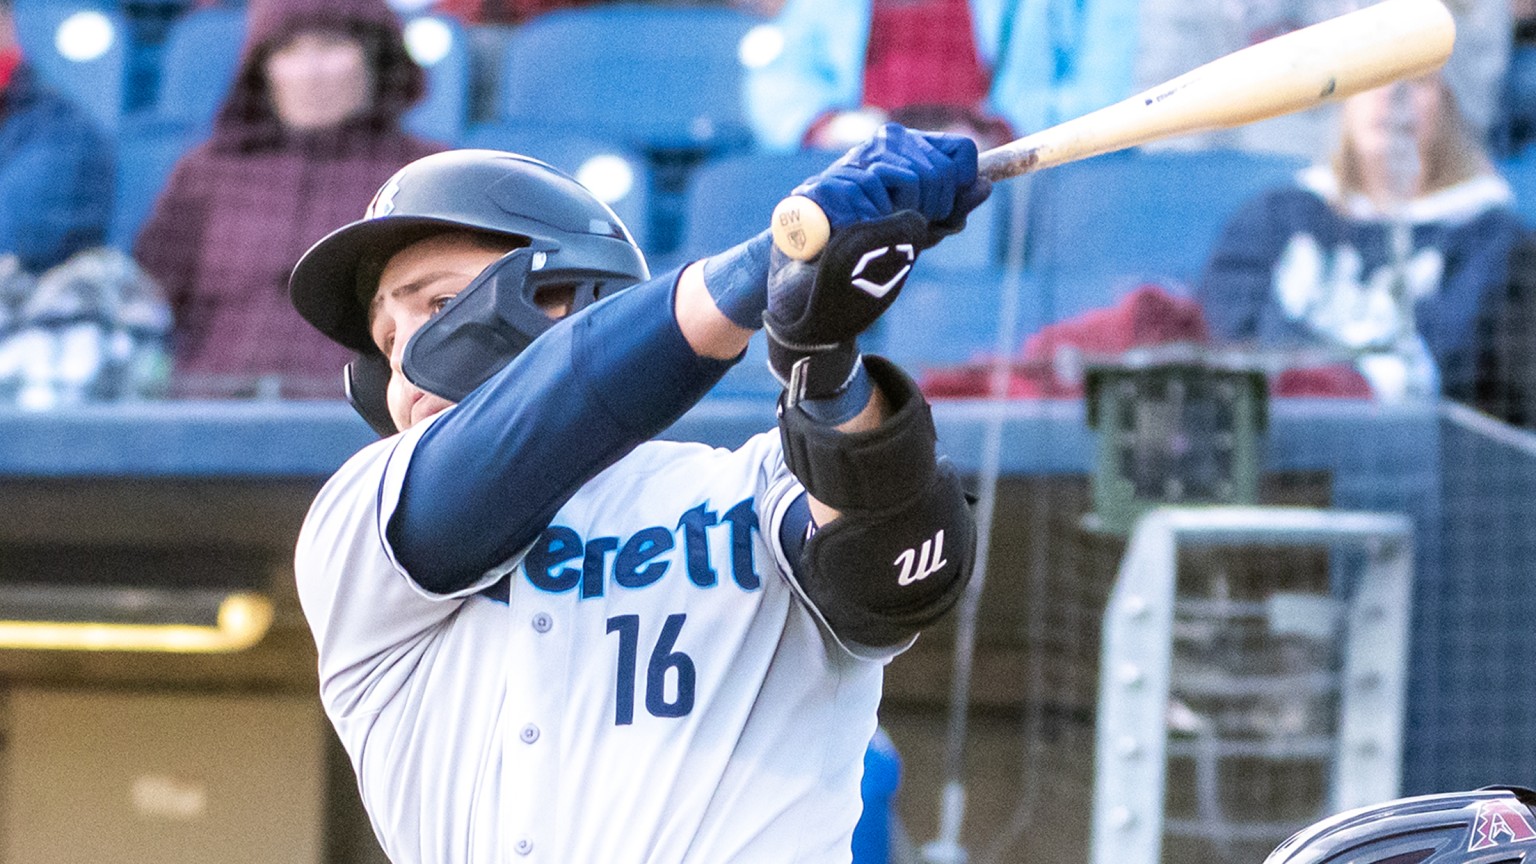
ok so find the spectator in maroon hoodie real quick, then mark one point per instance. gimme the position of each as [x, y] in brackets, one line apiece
[309, 130]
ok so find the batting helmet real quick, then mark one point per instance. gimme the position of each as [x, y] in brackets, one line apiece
[1494, 825]
[563, 237]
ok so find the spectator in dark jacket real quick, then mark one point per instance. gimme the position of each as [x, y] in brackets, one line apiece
[310, 129]
[55, 168]
[1397, 251]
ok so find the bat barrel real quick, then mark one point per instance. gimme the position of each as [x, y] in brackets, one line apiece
[1340, 57]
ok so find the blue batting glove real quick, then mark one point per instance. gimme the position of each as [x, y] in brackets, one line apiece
[931, 173]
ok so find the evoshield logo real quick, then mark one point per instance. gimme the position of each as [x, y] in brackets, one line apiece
[905, 255]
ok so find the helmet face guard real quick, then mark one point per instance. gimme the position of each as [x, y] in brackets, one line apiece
[492, 320]
[478, 332]
[566, 239]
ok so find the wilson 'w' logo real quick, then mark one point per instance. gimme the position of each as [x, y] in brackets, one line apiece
[921, 562]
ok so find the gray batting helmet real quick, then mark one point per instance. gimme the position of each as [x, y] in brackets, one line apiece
[563, 236]
[1494, 825]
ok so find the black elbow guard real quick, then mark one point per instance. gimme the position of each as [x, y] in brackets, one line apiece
[901, 553]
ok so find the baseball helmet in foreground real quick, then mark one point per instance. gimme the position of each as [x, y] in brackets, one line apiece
[1494, 825]
[565, 239]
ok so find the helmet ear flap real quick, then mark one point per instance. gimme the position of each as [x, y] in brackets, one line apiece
[367, 384]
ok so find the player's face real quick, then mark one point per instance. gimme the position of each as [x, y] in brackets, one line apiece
[415, 285]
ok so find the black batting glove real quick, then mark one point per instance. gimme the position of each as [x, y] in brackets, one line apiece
[817, 310]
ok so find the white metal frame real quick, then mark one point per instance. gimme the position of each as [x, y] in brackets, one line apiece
[1134, 669]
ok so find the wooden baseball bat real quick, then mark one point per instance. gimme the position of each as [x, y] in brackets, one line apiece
[1340, 57]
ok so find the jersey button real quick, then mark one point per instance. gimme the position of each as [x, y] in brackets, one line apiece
[524, 846]
[542, 622]
[529, 734]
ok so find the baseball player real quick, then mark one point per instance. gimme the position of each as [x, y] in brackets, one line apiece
[1493, 825]
[544, 636]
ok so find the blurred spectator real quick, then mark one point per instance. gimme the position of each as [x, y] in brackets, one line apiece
[55, 167]
[1398, 250]
[1178, 35]
[91, 329]
[989, 68]
[310, 128]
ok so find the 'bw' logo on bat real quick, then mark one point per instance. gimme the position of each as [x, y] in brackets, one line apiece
[919, 563]
[789, 220]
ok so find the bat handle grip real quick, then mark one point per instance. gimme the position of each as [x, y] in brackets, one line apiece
[800, 228]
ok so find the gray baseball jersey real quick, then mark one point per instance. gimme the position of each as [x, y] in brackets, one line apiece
[654, 688]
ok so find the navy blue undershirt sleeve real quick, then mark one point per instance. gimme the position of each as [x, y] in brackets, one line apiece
[794, 532]
[488, 476]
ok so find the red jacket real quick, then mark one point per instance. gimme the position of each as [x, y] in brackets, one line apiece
[1147, 316]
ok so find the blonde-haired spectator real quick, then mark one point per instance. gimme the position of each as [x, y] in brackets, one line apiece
[1398, 249]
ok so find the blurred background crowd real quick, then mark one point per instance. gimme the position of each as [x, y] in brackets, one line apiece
[1369, 265]
[189, 151]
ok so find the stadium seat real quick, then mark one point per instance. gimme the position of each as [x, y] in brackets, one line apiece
[943, 317]
[882, 778]
[1108, 223]
[729, 199]
[442, 47]
[79, 48]
[616, 175]
[1520, 171]
[1519, 109]
[662, 77]
[199, 59]
[146, 154]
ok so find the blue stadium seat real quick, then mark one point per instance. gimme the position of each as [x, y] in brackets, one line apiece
[146, 154]
[1097, 226]
[1519, 109]
[199, 60]
[731, 198]
[79, 48]
[943, 317]
[663, 77]
[442, 47]
[1520, 171]
[882, 778]
[614, 173]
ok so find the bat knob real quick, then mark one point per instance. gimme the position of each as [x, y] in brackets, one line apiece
[800, 228]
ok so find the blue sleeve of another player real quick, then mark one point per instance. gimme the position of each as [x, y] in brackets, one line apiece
[488, 476]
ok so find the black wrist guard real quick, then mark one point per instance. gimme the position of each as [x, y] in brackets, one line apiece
[867, 470]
